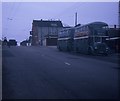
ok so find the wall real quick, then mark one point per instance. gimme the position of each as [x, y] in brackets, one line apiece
[47, 31]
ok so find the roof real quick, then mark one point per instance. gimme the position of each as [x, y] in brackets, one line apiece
[47, 23]
[95, 24]
[99, 23]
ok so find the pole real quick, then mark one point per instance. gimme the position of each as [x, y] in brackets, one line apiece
[75, 18]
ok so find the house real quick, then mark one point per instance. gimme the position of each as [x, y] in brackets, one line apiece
[44, 32]
[12, 42]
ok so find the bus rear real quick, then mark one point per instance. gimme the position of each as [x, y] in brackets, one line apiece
[65, 39]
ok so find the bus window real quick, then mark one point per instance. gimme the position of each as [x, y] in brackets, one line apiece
[103, 39]
[97, 39]
[90, 40]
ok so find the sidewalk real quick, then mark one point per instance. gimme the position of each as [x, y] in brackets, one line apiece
[52, 46]
[116, 54]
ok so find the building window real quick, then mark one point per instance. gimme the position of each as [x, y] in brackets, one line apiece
[53, 24]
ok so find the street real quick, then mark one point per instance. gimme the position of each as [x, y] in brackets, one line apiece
[46, 73]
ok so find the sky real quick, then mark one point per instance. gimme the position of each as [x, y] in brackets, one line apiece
[17, 17]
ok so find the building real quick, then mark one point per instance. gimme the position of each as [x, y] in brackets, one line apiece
[12, 42]
[50, 40]
[44, 32]
[114, 38]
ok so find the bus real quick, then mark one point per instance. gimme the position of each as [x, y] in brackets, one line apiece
[90, 38]
[65, 39]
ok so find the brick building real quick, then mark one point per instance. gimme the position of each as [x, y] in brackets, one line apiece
[114, 38]
[44, 32]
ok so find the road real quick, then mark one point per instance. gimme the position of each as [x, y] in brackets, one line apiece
[46, 73]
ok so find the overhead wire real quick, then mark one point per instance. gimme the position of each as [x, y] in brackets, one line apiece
[10, 16]
[67, 11]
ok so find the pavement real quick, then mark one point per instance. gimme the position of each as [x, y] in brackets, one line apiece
[114, 57]
[46, 73]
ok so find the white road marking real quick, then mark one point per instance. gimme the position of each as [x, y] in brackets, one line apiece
[67, 63]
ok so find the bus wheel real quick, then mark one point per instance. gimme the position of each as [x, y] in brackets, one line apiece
[105, 54]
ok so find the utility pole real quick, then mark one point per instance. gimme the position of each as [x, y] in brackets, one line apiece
[75, 18]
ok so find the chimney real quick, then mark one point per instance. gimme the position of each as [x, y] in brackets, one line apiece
[75, 18]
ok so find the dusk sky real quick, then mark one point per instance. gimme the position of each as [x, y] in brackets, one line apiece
[17, 17]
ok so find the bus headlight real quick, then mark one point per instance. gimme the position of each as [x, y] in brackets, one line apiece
[95, 47]
[106, 48]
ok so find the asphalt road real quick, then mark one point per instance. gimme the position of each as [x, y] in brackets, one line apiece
[46, 73]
